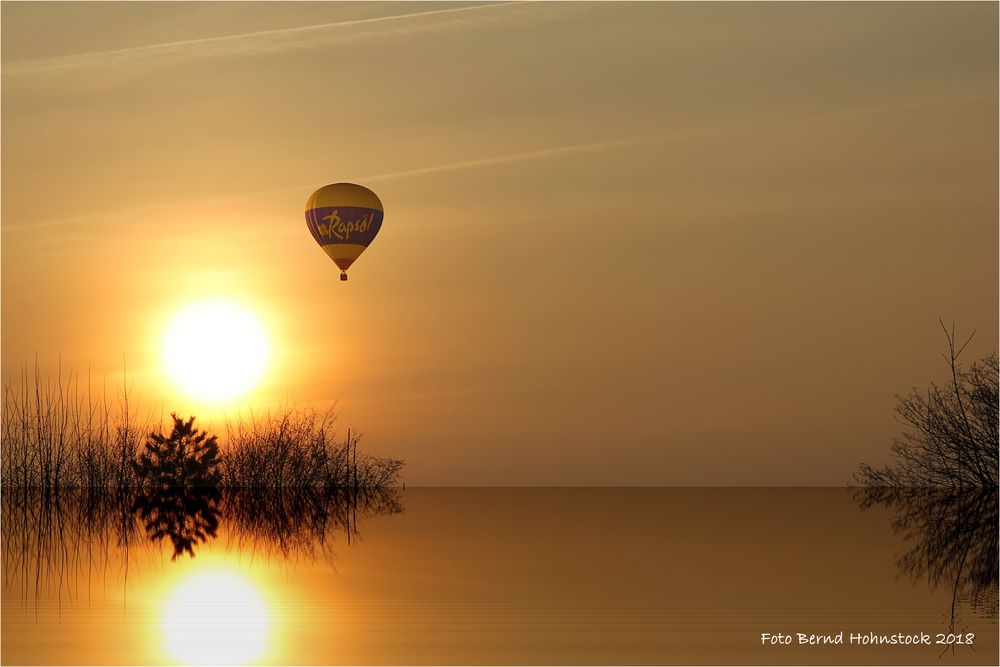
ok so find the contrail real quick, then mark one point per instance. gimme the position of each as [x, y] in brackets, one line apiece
[540, 154]
[249, 43]
[662, 138]
[574, 149]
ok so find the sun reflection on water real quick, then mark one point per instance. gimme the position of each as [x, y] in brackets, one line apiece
[215, 618]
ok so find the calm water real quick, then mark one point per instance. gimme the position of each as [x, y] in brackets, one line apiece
[499, 576]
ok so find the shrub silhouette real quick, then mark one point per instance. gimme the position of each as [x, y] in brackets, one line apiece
[188, 458]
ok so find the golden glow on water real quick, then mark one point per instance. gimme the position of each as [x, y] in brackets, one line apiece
[554, 576]
[215, 618]
[215, 350]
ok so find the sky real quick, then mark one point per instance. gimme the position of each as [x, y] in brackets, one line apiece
[624, 244]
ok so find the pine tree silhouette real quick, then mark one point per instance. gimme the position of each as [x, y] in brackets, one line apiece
[188, 458]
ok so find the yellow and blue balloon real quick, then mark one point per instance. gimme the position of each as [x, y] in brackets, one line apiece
[344, 219]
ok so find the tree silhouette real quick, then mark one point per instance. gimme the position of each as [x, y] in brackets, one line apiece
[187, 459]
[952, 441]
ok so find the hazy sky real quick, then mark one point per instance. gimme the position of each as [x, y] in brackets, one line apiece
[623, 243]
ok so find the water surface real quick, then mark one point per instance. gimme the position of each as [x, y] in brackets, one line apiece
[500, 576]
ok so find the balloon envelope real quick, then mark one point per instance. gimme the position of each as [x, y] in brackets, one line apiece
[344, 219]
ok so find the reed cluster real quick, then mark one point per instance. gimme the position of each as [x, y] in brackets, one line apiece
[56, 435]
[298, 449]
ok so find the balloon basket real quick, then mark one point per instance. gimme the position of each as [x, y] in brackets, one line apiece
[343, 275]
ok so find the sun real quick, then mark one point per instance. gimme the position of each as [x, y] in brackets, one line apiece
[215, 618]
[215, 350]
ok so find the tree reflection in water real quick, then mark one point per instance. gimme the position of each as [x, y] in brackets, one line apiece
[951, 540]
[48, 535]
[188, 517]
[299, 521]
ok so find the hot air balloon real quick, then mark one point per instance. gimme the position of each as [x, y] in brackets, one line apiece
[343, 218]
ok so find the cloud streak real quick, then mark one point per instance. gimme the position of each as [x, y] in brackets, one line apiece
[264, 42]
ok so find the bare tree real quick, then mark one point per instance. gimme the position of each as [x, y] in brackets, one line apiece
[952, 436]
